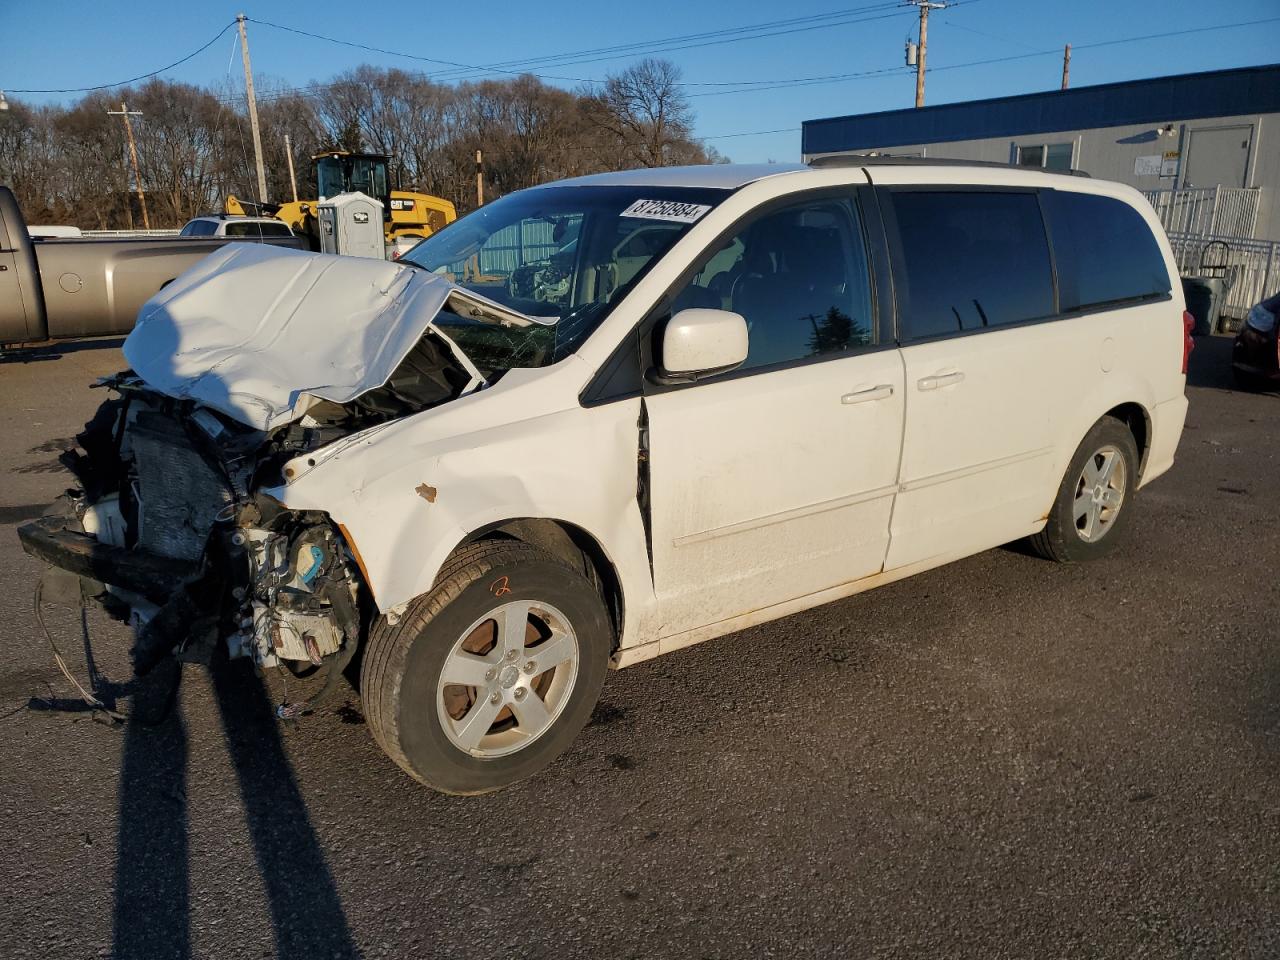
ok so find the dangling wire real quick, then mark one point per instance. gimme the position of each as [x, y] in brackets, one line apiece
[88, 697]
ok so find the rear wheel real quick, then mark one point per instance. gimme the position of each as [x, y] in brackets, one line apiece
[1088, 514]
[487, 678]
[1245, 381]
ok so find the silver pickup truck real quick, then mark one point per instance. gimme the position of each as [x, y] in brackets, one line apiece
[54, 289]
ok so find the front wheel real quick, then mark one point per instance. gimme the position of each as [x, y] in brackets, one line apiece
[488, 678]
[1089, 511]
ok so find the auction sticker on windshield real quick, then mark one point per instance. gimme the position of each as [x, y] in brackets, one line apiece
[666, 210]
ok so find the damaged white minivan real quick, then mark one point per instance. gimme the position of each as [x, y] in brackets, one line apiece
[603, 419]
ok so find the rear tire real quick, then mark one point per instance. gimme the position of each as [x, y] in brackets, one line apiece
[1246, 382]
[1089, 513]
[490, 675]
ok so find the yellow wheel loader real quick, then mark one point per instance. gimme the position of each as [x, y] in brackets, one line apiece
[406, 215]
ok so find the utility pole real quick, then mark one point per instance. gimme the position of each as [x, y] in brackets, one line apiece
[253, 111]
[1066, 67]
[925, 6]
[288, 154]
[479, 178]
[125, 113]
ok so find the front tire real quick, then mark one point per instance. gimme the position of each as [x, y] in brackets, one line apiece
[1090, 511]
[489, 676]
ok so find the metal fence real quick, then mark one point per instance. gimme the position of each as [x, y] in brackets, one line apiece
[1211, 211]
[519, 243]
[1250, 269]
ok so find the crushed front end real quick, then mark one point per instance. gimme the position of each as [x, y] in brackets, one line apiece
[254, 359]
[169, 528]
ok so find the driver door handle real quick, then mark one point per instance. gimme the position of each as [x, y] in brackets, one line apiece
[939, 380]
[878, 392]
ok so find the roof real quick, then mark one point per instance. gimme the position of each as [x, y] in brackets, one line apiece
[1217, 93]
[845, 161]
[235, 216]
[725, 176]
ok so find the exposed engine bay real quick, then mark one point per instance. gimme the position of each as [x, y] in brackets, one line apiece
[246, 371]
[171, 527]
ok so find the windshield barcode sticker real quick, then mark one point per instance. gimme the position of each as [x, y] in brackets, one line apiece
[666, 210]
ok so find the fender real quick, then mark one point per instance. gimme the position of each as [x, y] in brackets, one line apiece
[407, 495]
[1117, 389]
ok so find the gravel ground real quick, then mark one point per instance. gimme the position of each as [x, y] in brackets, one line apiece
[1001, 758]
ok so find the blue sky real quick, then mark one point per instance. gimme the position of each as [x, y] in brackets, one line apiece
[73, 43]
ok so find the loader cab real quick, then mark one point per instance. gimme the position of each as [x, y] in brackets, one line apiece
[340, 172]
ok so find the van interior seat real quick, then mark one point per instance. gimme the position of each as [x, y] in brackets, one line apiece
[784, 306]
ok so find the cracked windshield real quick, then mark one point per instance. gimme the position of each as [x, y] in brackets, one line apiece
[564, 256]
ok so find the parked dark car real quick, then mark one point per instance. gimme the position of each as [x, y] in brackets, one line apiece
[1255, 359]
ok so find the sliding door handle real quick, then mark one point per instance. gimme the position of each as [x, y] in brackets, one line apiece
[939, 380]
[878, 392]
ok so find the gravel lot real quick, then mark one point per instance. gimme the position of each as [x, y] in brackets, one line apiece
[1001, 758]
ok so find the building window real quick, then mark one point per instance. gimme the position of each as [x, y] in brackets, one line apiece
[1050, 156]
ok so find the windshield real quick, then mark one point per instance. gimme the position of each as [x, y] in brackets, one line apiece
[341, 174]
[565, 255]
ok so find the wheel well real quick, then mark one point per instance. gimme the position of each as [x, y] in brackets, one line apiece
[572, 544]
[1135, 417]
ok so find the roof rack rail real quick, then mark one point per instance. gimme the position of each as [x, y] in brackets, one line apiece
[855, 160]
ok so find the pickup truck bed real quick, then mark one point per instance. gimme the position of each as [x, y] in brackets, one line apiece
[86, 287]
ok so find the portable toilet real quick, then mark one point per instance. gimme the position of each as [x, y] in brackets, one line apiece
[351, 225]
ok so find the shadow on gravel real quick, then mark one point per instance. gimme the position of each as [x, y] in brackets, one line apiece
[305, 908]
[152, 907]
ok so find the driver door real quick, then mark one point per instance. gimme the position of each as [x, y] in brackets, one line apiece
[777, 480]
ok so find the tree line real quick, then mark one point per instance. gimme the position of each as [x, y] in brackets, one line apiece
[70, 165]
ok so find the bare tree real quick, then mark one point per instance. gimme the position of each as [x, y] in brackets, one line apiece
[71, 164]
[646, 113]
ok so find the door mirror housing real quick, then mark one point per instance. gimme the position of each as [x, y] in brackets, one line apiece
[699, 342]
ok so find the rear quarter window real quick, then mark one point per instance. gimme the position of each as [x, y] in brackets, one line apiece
[257, 230]
[1104, 251]
[972, 259]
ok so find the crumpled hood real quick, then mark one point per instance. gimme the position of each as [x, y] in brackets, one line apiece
[257, 332]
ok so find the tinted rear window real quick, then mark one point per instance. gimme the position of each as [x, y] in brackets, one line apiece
[1104, 249]
[199, 228]
[972, 259]
[257, 230]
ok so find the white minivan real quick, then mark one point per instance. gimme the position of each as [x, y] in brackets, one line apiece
[599, 420]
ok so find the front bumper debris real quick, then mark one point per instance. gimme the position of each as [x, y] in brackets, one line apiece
[56, 541]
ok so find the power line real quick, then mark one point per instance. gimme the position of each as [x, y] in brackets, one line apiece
[751, 133]
[630, 47]
[444, 77]
[729, 35]
[456, 76]
[856, 16]
[1055, 52]
[145, 76]
[762, 86]
[846, 17]
[989, 36]
[391, 53]
[972, 63]
[766, 85]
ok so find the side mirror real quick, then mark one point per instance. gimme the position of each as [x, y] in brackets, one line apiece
[698, 342]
